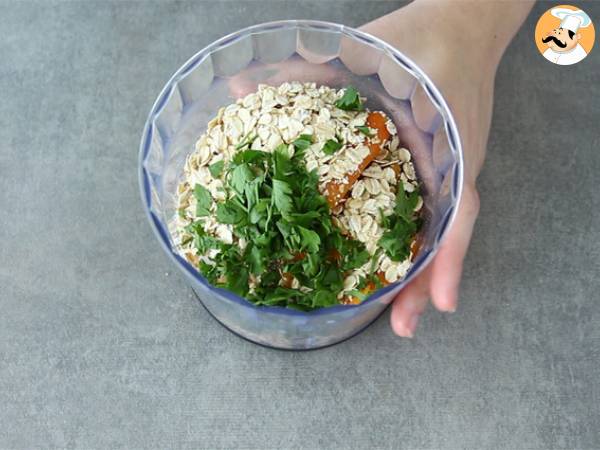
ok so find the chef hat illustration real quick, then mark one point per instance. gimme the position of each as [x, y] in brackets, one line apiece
[571, 20]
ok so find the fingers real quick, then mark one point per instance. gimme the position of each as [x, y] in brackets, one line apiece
[410, 304]
[441, 280]
[446, 270]
[358, 57]
[241, 85]
[425, 113]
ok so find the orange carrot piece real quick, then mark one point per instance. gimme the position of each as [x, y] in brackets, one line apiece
[336, 191]
[381, 276]
[416, 245]
[334, 255]
[377, 121]
[368, 289]
[299, 257]
[287, 279]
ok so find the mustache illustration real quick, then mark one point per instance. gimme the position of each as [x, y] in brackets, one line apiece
[556, 41]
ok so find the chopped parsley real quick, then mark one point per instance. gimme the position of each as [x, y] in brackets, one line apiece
[350, 101]
[303, 142]
[216, 168]
[364, 130]
[246, 142]
[402, 226]
[203, 200]
[273, 203]
[331, 146]
[283, 229]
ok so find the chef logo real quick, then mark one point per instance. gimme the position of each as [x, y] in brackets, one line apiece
[564, 35]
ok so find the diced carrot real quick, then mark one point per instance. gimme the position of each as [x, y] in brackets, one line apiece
[287, 279]
[298, 256]
[368, 289]
[381, 276]
[334, 255]
[416, 245]
[377, 121]
[396, 168]
[350, 300]
[335, 190]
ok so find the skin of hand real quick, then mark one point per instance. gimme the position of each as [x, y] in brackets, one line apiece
[459, 45]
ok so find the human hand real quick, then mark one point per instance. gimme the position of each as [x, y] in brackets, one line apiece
[463, 67]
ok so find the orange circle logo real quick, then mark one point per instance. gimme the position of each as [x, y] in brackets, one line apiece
[564, 35]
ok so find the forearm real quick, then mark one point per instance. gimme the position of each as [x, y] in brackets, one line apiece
[455, 30]
[459, 45]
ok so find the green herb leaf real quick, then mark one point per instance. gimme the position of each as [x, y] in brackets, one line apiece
[212, 272]
[252, 191]
[402, 226]
[259, 211]
[250, 156]
[282, 196]
[304, 219]
[358, 294]
[396, 242]
[405, 204]
[323, 299]
[205, 243]
[264, 240]
[309, 240]
[229, 213]
[374, 259]
[310, 264]
[331, 146]
[374, 278]
[287, 232]
[350, 101]
[237, 280]
[239, 177]
[356, 259]
[256, 260]
[279, 295]
[282, 165]
[331, 278]
[278, 209]
[365, 130]
[216, 169]
[204, 200]
[303, 142]
[384, 220]
[202, 241]
[247, 141]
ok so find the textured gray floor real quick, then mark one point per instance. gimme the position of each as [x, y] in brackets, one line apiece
[100, 348]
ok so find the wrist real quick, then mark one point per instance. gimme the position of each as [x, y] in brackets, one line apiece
[467, 31]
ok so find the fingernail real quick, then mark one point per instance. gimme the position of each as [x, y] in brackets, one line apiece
[411, 325]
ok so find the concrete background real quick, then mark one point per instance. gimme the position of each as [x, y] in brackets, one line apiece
[103, 346]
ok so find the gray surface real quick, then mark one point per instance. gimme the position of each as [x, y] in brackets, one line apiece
[99, 347]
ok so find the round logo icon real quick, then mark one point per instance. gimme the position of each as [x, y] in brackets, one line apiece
[564, 35]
